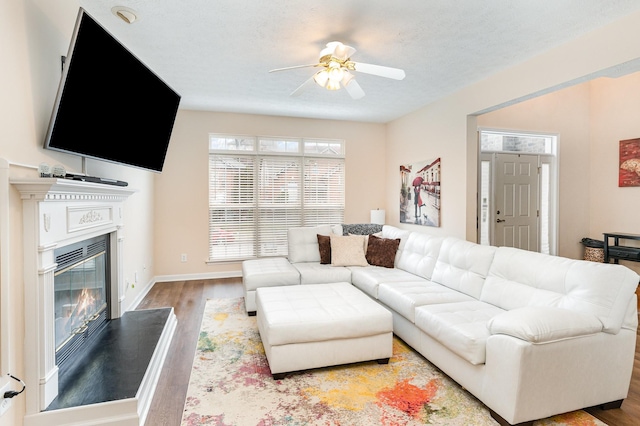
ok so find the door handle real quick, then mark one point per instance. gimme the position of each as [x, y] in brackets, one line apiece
[500, 220]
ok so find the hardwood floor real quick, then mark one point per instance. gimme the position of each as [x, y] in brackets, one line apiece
[188, 299]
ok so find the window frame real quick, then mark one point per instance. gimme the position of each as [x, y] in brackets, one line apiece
[262, 231]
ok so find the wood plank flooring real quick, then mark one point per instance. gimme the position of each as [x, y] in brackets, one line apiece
[188, 299]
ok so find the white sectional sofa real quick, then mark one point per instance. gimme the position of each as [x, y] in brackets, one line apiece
[530, 335]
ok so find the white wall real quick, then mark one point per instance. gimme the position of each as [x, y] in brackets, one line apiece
[435, 131]
[615, 116]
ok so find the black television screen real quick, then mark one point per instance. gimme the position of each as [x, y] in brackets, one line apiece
[110, 106]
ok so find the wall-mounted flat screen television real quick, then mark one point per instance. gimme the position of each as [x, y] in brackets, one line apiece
[110, 105]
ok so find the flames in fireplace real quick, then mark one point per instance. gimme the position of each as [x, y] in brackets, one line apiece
[77, 316]
[81, 284]
[85, 305]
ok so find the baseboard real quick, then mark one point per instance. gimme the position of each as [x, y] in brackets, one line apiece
[199, 276]
[141, 295]
[183, 277]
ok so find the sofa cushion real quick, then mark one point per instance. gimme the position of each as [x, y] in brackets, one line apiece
[404, 297]
[392, 232]
[420, 254]
[320, 312]
[544, 324]
[317, 273]
[368, 278]
[324, 247]
[463, 265]
[268, 272]
[348, 250]
[519, 278]
[303, 243]
[382, 251]
[461, 327]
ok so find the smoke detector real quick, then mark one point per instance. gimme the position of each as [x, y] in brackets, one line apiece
[126, 14]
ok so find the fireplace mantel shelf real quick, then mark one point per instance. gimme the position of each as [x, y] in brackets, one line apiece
[58, 189]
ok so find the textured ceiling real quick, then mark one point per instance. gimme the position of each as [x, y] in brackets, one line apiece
[217, 53]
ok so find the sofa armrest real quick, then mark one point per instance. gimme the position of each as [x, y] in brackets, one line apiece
[523, 381]
[544, 324]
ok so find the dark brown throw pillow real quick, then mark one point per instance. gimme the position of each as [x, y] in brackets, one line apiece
[382, 251]
[324, 243]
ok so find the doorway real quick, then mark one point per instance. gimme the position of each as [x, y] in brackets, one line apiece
[517, 190]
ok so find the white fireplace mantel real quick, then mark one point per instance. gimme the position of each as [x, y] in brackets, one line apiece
[58, 212]
[58, 189]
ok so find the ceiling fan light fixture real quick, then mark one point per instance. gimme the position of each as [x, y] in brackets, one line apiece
[321, 78]
[336, 72]
[336, 68]
[333, 85]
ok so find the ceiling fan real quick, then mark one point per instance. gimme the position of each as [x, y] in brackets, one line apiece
[336, 70]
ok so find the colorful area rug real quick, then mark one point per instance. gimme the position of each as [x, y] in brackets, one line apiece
[231, 385]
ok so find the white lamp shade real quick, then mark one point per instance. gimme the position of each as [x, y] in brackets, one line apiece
[377, 217]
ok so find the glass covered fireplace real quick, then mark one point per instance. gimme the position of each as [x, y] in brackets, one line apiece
[81, 295]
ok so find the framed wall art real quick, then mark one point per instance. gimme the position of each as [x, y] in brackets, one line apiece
[420, 193]
[629, 171]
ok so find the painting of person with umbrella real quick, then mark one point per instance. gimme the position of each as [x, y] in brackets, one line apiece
[417, 197]
[420, 183]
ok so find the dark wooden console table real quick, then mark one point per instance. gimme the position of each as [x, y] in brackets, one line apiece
[617, 251]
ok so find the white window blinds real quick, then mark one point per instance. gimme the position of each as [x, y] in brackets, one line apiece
[271, 185]
[279, 203]
[231, 207]
[323, 191]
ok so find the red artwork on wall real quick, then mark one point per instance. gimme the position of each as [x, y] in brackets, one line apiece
[629, 172]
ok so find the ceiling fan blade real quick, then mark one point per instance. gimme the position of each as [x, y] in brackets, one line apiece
[388, 72]
[353, 89]
[295, 67]
[304, 86]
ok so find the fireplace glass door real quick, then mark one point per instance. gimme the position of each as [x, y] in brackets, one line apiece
[81, 294]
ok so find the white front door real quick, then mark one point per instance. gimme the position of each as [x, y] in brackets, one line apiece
[516, 201]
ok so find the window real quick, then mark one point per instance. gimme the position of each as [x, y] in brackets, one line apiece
[259, 187]
[517, 142]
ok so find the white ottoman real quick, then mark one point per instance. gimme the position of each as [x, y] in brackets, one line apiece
[319, 325]
[268, 272]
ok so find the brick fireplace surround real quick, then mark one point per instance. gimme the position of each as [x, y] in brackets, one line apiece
[58, 212]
